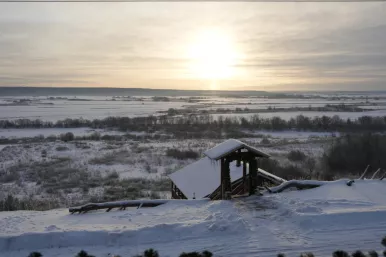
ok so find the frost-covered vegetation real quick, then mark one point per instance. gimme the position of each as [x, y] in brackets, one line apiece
[45, 175]
[206, 123]
[153, 253]
[133, 159]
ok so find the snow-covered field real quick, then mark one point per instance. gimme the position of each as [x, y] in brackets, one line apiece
[289, 115]
[93, 107]
[20, 133]
[321, 220]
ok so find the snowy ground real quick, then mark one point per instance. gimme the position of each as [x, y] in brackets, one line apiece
[93, 107]
[20, 133]
[32, 169]
[289, 115]
[319, 220]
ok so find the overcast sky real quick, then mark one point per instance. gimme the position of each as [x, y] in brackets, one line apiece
[272, 46]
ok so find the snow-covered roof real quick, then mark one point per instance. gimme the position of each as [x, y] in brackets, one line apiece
[229, 146]
[201, 178]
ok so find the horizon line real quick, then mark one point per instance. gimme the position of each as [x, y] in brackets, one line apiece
[187, 90]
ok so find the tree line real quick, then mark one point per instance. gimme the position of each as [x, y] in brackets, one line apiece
[207, 122]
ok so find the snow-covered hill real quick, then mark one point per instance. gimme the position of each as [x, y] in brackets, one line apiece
[320, 220]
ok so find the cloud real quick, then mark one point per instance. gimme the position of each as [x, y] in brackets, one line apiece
[297, 45]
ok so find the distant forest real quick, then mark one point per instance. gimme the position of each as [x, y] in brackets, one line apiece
[202, 123]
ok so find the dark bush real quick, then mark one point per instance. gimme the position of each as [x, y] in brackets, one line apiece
[296, 156]
[383, 242]
[61, 148]
[358, 254]
[191, 254]
[150, 253]
[207, 254]
[340, 253]
[67, 137]
[35, 254]
[83, 254]
[281, 255]
[373, 254]
[181, 155]
[344, 156]
[197, 254]
[288, 171]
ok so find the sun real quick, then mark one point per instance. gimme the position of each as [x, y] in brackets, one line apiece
[212, 56]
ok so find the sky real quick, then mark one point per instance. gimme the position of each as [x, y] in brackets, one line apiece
[204, 46]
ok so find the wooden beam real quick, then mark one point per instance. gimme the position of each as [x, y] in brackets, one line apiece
[252, 176]
[238, 161]
[222, 177]
[245, 176]
[227, 179]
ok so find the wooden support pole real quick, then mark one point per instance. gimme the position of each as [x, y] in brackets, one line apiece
[252, 176]
[227, 178]
[238, 161]
[222, 175]
[259, 180]
[244, 176]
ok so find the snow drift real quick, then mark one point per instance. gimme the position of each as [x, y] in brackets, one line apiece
[333, 216]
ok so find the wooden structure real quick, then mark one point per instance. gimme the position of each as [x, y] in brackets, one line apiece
[245, 155]
[230, 168]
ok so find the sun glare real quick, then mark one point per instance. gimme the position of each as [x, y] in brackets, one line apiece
[212, 56]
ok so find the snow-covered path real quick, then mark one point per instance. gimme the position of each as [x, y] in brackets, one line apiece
[319, 220]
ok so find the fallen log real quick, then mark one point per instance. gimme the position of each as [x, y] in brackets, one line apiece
[118, 204]
[298, 184]
[122, 205]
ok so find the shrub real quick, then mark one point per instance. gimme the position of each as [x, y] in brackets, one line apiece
[281, 255]
[113, 175]
[35, 254]
[383, 242]
[207, 254]
[62, 148]
[69, 136]
[83, 254]
[197, 254]
[373, 254]
[340, 253]
[344, 156]
[265, 141]
[150, 253]
[296, 156]
[191, 254]
[358, 254]
[181, 155]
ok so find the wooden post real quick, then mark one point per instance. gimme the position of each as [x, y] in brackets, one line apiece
[222, 175]
[259, 180]
[172, 190]
[227, 178]
[238, 161]
[244, 176]
[252, 175]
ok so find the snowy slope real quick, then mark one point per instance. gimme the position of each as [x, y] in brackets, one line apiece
[320, 220]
